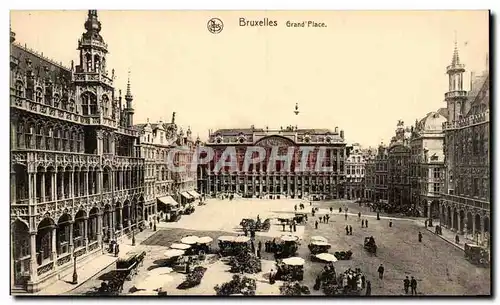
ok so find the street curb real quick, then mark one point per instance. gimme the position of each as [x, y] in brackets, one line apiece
[80, 284]
[448, 241]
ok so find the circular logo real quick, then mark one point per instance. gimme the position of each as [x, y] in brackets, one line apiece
[215, 25]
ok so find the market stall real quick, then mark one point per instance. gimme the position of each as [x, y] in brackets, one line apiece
[290, 269]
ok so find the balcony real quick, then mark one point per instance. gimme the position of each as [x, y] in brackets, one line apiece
[93, 43]
[455, 94]
[468, 121]
[46, 110]
[92, 77]
[467, 201]
[98, 120]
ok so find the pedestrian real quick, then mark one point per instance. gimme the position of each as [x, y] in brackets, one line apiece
[283, 224]
[294, 227]
[406, 284]
[346, 230]
[457, 239]
[381, 270]
[340, 210]
[331, 209]
[327, 218]
[317, 284]
[291, 227]
[259, 245]
[150, 225]
[258, 253]
[295, 207]
[117, 249]
[425, 223]
[362, 223]
[271, 277]
[154, 226]
[252, 246]
[363, 281]
[320, 219]
[266, 244]
[359, 215]
[366, 223]
[390, 223]
[378, 216]
[413, 284]
[350, 230]
[316, 224]
[346, 209]
[419, 237]
[324, 218]
[346, 216]
[368, 288]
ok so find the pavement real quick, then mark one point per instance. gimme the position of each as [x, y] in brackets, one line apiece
[92, 267]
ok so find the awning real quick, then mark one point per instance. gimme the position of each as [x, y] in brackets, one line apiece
[194, 194]
[186, 195]
[169, 201]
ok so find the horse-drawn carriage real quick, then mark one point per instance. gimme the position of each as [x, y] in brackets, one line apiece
[370, 245]
[127, 265]
[288, 246]
[477, 255]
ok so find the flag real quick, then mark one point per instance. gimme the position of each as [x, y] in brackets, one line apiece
[466, 43]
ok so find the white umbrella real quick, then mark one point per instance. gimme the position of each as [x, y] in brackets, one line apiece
[294, 261]
[327, 257]
[320, 243]
[190, 240]
[163, 270]
[227, 238]
[173, 253]
[242, 239]
[319, 238]
[205, 240]
[154, 282]
[145, 292]
[180, 246]
[289, 238]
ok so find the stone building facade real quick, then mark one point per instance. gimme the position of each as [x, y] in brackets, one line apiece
[465, 201]
[355, 173]
[427, 163]
[399, 168]
[261, 180]
[376, 175]
[76, 171]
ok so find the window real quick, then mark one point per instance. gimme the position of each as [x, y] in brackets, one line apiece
[437, 188]
[19, 87]
[29, 135]
[56, 100]
[89, 104]
[437, 173]
[105, 105]
[48, 138]
[39, 137]
[57, 139]
[38, 95]
[20, 136]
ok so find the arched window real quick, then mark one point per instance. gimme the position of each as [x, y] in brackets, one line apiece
[79, 142]
[29, 135]
[72, 141]
[48, 95]
[64, 103]
[48, 138]
[39, 136]
[19, 89]
[57, 100]
[57, 139]
[71, 105]
[89, 104]
[88, 59]
[20, 136]
[105, 105]
[97, 63]
[39, 95]
[65, 140]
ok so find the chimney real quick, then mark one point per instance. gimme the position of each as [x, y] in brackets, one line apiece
[342, 134]
[472, 75]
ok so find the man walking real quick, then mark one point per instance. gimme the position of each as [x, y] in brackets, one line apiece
[419, 237]
[316, 224]
[413, 284]
[406, 284]
[366, 223]
[346, 230]
[362, 223]
[350, 230]
[359, 215]
[346, 216]
[381, 272]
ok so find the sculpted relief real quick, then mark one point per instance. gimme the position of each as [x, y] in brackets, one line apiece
[274, 141]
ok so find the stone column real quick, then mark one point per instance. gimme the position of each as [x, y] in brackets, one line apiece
[111, 226]
[72, 184]
[42, 187]
[86, 182]
[13, 194]
[33, 261]
[120, 214]
[71, 239]
[54, 246]
[99, 228]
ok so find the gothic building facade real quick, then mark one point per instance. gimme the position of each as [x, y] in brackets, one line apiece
[260, 180]
[165, 189]
[76, 171]
[355, 173]
[427, 163]
[399, 168]
[376, 176]
[465, 201]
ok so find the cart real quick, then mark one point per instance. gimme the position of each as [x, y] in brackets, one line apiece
[476, 255]
[127, 266]
[370, 245]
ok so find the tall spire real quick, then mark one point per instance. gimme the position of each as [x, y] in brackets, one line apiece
[456, 58]
[128, 95]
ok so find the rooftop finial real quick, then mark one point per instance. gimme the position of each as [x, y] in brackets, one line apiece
[456, 59]
[296, 109]
[129, 92]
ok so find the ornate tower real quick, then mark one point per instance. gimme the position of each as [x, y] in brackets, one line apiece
[129, 111]
[94, 88]
[456, 95]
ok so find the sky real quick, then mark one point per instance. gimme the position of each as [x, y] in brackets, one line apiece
[363, 72]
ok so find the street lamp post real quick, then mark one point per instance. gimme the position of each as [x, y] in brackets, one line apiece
[133, 237]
